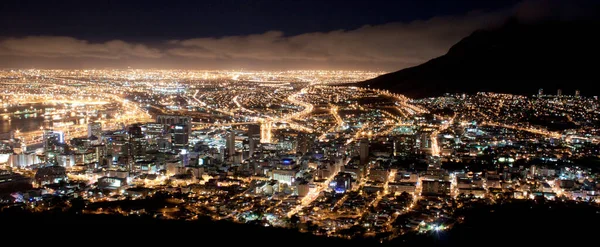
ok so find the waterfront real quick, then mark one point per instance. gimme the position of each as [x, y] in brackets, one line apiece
[21, 121]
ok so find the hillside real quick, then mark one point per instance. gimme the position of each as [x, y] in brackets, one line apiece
[514, 58]
[537, 223]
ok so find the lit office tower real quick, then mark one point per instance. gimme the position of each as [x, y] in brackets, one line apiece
[251, 147]
[252, 143]
[118, 147]
[94, 129]
[180, 135]
[363, 146]
[230, 142]
[541, 91]
[253, 138]
[577, 93]
[53, 145]
[425, 140]
[154, 131]
[164, 145]
[52, 139]
[559, 92]
[137, 141]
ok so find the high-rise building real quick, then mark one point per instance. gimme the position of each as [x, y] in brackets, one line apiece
[94, 129]
[577, 93]
[100, 152]
[164, 145]
[180, 135]
[253, 138]
[541, 92]
[80, 145]
[266, 132]
[252, 143]
[425, 141]
[52, 139]
[138, 142]
[153, 132]
[559, 92]
[54, 144]
[230, 143]
[118, 146]
[363, 146]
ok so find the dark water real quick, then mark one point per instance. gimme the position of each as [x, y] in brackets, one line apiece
[23, 125]
[23, 122]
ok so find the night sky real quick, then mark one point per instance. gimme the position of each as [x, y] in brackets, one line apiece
[228, 34]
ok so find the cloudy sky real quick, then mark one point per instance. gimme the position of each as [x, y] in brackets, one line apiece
[278, 34]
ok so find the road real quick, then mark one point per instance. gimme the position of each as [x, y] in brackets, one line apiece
[527, 129]
[313, 194]
[435, 148]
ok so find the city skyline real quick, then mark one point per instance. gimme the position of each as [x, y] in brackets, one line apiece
[282, 122]
[306, 151]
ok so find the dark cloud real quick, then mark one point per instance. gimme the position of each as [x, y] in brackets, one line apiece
[388, 46]
[393, 43]
[58, 46]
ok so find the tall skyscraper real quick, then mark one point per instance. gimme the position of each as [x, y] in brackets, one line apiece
[118, 146]
[153, 132]
[253, 138]
[164, 145]
[265, 132]
[53, 145]
[541, 92]
[559, 92]
[577, 93]
[138, 142]
[180, 134]
[363, 146]
[230, 143]
[252, 143]
[425, 140]
[52, 139]
[94, 129]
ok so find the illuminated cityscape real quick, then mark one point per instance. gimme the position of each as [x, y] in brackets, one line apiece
[302, 123]
[292, 149]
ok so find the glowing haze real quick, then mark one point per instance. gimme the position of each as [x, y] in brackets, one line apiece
[388, 46]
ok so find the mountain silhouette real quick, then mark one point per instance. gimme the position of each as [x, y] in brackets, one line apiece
[516, 58]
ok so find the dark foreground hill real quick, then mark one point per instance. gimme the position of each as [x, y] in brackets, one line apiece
[520, 223]
[117, 230]
[515, 58]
